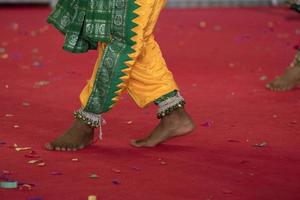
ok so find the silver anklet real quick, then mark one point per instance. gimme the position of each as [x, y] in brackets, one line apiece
[90, 119]
[169, 105]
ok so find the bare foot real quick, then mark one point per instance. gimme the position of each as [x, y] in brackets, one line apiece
[288, 81]
[176, 124]
[77, 137]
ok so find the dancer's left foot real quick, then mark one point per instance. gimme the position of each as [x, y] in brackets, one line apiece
[288, 81]
[178, 123]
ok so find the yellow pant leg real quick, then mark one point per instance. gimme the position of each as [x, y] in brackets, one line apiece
[150, 77]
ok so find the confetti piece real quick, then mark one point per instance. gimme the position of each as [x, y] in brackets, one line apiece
[25, 187]
[207, 124]
[56, 173]
[9, 185]
[116, 182]
[163, 163]
[202, 24]
[94, 176]
[34, 161]
[25, 104]
[263, 144]
[275, 116]
[37, 64]
[92, 197]
[9, 115]
[16, 126]
[4, 56]
[14, 26]
[75, 159]
[6, 86]
[116, 171]
[4, 178]
[33, 33]
[6, 172]
[2, 50]
[244, 161]
[35, 50]
[31, 156]
[136, 168]
[35, 198]
[217, 28]
[270, 26]
[129, 122]
[23, 148]
[227, 191]
[41, 164]
[41, 84]
[234, 141]
[263, 78]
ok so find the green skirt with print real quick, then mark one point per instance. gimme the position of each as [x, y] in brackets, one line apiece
[83, 22]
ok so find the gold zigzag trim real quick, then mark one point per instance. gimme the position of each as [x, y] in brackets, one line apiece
[130, 62]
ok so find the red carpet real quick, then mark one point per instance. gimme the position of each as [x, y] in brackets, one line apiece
[221, 70]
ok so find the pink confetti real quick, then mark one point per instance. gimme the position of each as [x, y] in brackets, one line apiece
[207, 124]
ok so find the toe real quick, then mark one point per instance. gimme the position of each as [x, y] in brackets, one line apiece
[49, 146]
[137, 143]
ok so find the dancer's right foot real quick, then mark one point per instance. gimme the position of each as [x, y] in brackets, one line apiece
[288, 81]
[77, 137]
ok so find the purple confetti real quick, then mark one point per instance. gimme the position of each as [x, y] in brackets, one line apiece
[35, 198]
[116, 182]
[56, 173]
[136, 168]
[234, 141]
[207, 124]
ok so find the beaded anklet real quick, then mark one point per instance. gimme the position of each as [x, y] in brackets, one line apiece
[169, 105]
[90, 119]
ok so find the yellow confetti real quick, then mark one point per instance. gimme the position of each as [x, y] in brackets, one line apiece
[92, 197]
[41, 84]
[33, 161]
[23, 148]
[41, 164]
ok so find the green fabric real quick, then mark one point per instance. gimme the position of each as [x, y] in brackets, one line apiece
[114, 57]
[83, 22]
[165, 97]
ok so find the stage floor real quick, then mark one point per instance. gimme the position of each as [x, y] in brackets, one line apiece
[221, 67]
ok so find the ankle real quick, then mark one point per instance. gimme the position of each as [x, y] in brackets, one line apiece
[83, 126]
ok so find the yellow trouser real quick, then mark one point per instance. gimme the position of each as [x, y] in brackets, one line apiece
[149, 77]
